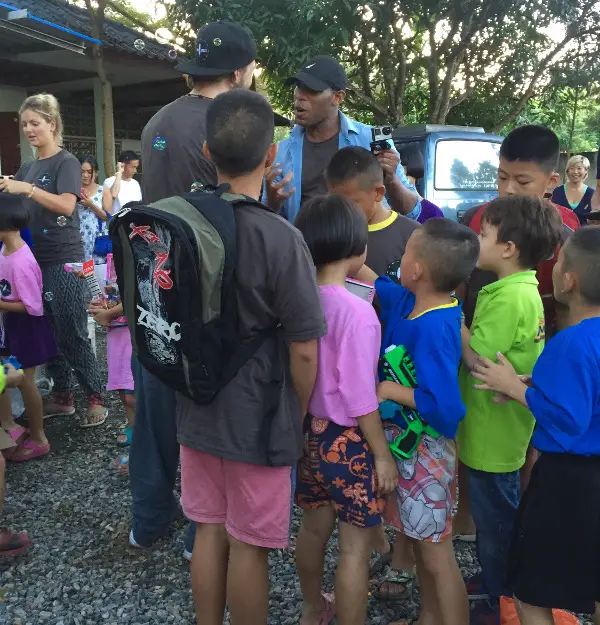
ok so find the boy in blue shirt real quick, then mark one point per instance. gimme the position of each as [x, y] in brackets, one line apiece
[422, 316]
[555, 556]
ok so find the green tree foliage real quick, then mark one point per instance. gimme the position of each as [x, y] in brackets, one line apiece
[419, 60]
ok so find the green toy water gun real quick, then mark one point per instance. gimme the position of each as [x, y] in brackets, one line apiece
[399, 367]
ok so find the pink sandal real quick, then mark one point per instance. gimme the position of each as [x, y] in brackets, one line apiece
[17, 436]
[29, 451]
[11, 543]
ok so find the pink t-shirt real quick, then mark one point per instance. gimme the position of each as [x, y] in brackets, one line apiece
[21, 280]
[348, 355]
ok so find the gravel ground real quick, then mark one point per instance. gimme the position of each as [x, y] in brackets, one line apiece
[80, 569]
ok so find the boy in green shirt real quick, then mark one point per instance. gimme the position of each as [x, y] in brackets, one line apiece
[517, 233]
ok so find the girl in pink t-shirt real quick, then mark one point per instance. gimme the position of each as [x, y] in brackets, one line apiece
[25, 332]
[347, 467]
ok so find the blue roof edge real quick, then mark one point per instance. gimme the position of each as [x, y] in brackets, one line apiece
[52, 25]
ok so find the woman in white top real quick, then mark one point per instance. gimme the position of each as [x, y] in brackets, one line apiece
[122, 188]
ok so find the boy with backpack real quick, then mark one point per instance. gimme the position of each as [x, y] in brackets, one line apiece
[517, 233]
[237, 451]
[554, 559]
[226, 310]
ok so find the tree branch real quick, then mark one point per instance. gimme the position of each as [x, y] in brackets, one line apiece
[370, 102]
[572, 32]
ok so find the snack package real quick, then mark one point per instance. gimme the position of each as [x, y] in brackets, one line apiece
[92, 281]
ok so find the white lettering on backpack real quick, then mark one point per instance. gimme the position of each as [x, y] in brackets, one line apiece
[170, 332]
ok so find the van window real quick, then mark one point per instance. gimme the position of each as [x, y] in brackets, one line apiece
[466, 165]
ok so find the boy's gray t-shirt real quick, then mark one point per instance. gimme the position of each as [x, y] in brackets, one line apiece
[256, 417]
[56, 238]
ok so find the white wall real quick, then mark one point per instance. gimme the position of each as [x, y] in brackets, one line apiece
[131, 144]
[11, 99]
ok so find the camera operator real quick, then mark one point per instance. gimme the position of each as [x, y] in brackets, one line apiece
[321, 130]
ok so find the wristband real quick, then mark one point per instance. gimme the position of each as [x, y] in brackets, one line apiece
[33, 188]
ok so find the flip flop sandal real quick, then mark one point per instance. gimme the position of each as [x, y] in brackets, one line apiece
[401, 578]
[84, 424]
[124, 439]
[465, 538]
[381, 562]
[30, 450]
[330, 609]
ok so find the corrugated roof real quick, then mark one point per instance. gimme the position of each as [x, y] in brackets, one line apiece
[116, 35]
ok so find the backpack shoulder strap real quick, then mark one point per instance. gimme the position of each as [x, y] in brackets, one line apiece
[224, 192]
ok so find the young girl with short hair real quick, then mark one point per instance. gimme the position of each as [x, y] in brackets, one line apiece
[347, 467]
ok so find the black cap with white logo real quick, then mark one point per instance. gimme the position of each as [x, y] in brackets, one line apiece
[221, 48]
[321, 73]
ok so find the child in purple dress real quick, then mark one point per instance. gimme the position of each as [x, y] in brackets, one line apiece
[109, 313]
[25, 332]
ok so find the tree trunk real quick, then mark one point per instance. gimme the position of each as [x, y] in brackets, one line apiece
[107, 117]
[97, 20]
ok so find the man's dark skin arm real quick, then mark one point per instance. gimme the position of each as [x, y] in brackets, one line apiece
[401, 199]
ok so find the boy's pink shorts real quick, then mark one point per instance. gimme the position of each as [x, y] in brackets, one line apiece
[253, 502]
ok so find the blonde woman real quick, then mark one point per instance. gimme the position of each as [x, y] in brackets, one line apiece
[575, 194]
[52, 186]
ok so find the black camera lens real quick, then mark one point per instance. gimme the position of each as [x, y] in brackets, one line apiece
[386, 130]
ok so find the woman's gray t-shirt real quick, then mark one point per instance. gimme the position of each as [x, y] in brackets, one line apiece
[56, 238]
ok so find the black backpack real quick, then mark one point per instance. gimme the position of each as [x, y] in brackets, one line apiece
[175, 262]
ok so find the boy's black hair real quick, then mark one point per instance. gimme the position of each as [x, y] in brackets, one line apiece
[127, 156]
[582, 256]
[334, 228]
[91, 160]
[450, 251]
[239, 131]
[354, 163]
[532, 144]
[14, 214]
[532, 224]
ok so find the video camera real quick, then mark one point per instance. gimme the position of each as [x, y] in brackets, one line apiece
[381, 139]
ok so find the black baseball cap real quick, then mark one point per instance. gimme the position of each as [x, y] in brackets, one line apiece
[221, 48]
[321, 73]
